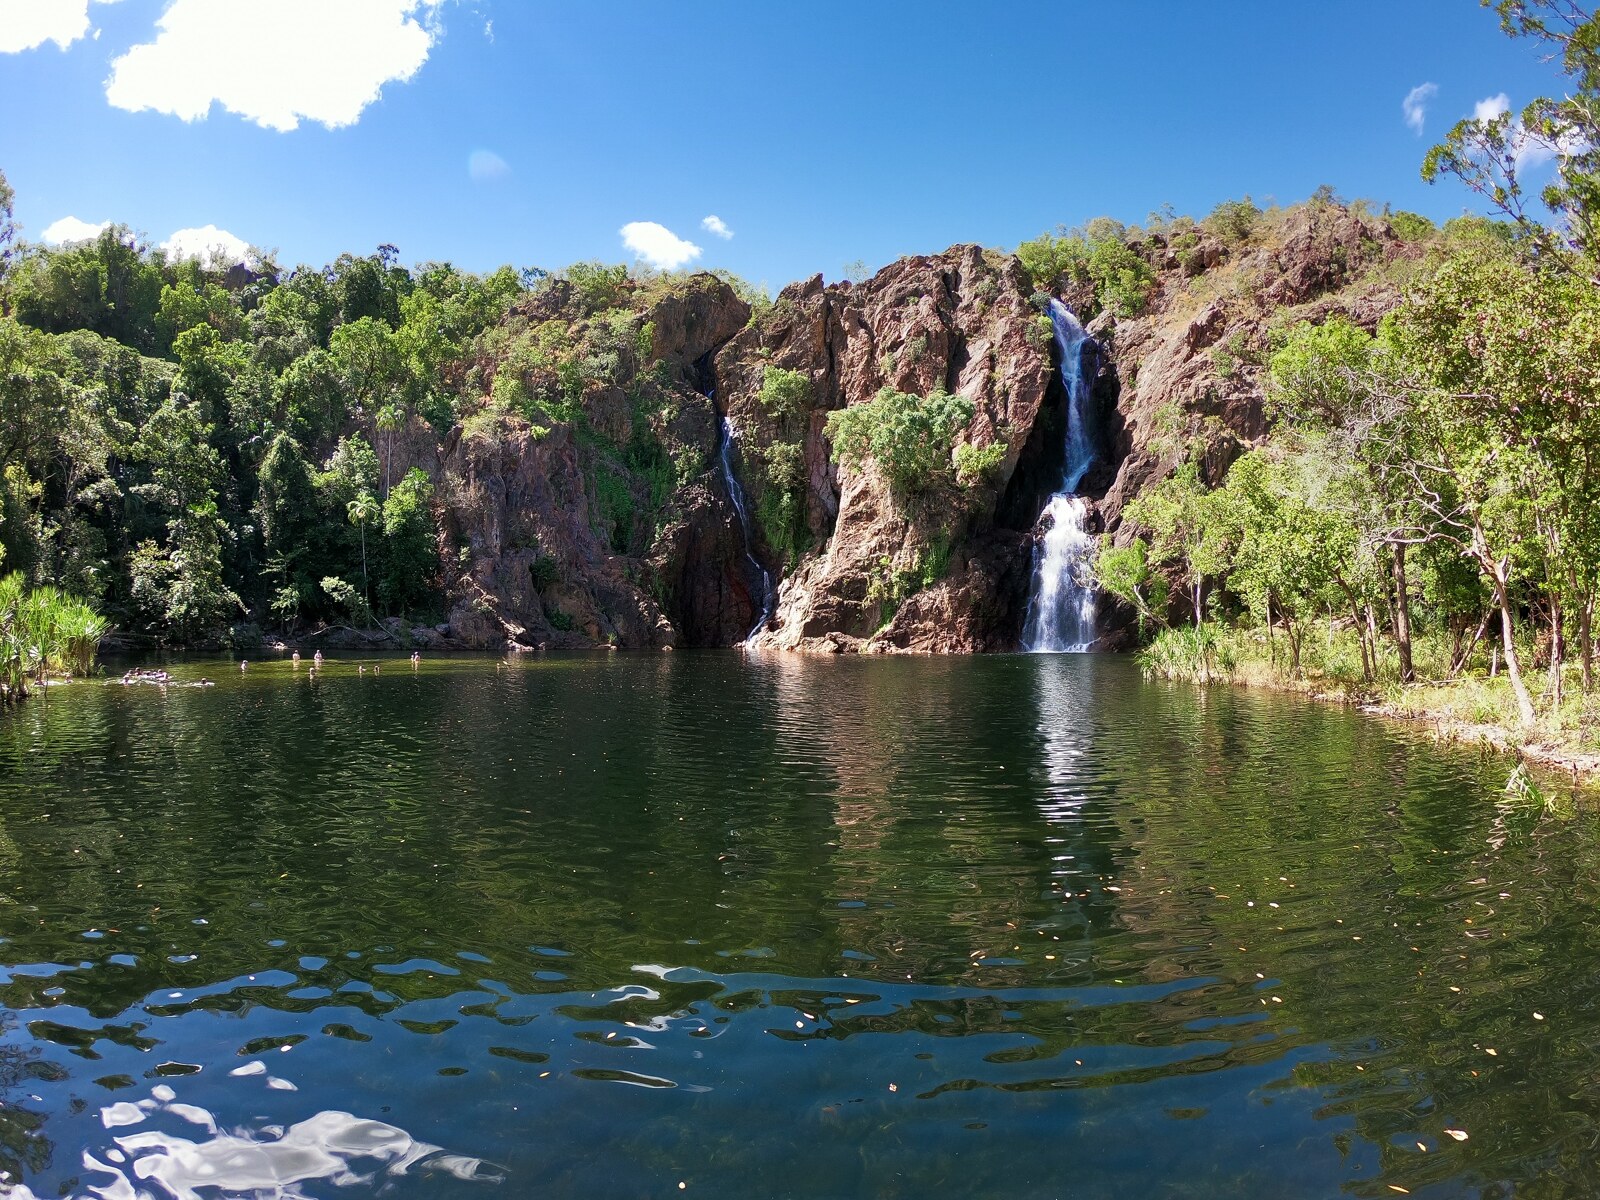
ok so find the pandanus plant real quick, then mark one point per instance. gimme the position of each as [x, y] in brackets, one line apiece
[43, 631]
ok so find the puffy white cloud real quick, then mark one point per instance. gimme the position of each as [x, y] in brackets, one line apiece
[71, 229]
[1487, 110]
[25, 24]
[715, 224]
[658, 245]
[275, 62]
[485, 166]
[1415, 105]
[212, 246]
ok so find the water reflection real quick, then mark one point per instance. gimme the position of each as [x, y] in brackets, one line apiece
[1018, 925]
[166, 1158]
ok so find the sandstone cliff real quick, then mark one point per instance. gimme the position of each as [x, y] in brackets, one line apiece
[610, 521]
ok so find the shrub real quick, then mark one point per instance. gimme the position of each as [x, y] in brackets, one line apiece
[1412, 227]
[1233, 220]
[1196, 653]
[909, 437]
[784, 394]
[978, 464]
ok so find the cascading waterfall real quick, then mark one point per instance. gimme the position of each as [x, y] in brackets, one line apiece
[736, 494]
[1062, 600]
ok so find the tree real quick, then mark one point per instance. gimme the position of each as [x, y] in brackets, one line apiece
[411, 555]
[1491, 157]
[909, 437]
[362, 511]
[8, 234]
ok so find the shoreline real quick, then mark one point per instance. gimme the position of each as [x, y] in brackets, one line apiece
[1579, 767]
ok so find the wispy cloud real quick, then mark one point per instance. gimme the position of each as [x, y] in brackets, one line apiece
[25, 24]
[71, 229]
[274, 62]
[658, 245]
[485, 166]
[715, 225]
[1415, 105]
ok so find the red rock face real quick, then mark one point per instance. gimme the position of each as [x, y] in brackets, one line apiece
[530, 561]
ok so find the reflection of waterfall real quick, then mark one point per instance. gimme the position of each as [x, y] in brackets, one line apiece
[758, 573]
[1061, 601]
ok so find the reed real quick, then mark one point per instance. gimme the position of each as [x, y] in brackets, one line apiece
[43, 632]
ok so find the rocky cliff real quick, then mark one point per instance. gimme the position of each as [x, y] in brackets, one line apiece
[606, 518]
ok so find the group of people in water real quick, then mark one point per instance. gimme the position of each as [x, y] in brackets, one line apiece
[160, 678]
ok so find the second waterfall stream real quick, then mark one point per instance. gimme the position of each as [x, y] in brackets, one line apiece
[1061, 600]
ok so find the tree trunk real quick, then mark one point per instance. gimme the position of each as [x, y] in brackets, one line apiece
[1508, 630]
[1558, 648]
[1586, 640]
[1372, 640]
[1402, 615]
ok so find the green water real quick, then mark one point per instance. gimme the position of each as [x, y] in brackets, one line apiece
[608, 925]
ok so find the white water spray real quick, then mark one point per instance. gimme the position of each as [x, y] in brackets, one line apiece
[1061, 602]
[741, 507]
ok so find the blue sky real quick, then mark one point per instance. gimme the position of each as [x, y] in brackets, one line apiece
[821, 134]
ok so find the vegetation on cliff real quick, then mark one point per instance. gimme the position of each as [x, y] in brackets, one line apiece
[1426, 505]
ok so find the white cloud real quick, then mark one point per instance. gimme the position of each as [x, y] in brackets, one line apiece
[1487, 110]
[658, 245]
[71, 229]
[715, 224]
[485, 166]
[212, 246]
[25, 24]
[1415, 105]
[275, 62]
[1528, 150]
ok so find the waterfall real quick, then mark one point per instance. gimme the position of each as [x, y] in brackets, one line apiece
[736, 494]
[1061, 601]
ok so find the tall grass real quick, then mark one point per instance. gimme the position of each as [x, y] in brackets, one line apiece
[1193, 652]
[43, 632]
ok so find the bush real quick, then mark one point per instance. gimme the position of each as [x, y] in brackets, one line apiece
[1412, 227]
[1196, 653]
[43, 631]
[978, 464]
[1233, 220]
[784, 394]
[909, 437]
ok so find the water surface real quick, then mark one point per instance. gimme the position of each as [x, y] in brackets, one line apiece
[724, 925]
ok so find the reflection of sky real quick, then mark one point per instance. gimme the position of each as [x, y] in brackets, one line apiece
[159, 1148]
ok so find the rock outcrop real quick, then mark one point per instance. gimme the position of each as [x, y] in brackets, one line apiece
[614, 526]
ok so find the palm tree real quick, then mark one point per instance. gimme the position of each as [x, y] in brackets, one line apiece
[362, 509]
[390, 418]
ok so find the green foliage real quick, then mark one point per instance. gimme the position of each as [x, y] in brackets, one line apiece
[1318, 372]
[1196, 653]
[1412, 227]
[43, 631]
[411, 557]
[784, 394]
[597, 286]
[1233, 221]
[1097, 255]
[909, 437]
[977, 466]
